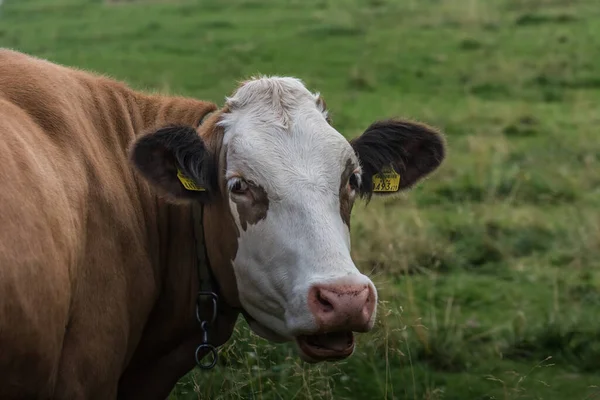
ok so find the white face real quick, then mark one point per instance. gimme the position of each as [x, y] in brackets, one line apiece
[288, 173]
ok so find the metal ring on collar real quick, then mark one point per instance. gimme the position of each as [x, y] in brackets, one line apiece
[212, 350]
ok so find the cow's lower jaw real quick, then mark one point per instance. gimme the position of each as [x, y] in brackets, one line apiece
[265, 332]
[326, 346]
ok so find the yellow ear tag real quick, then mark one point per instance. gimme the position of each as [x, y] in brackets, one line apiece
[387, 180]
[188, 183]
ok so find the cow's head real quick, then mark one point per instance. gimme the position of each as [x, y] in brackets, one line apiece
[288, 181]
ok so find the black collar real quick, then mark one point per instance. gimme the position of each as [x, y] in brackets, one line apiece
[208, 288]
[206, 279]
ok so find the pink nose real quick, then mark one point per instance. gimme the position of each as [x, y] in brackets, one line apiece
[342, 307]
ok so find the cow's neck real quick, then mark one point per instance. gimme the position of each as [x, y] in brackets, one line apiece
[182, 266]
[167, 346]
[221, 246]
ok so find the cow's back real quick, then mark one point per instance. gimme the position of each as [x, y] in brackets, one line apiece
[71, 222]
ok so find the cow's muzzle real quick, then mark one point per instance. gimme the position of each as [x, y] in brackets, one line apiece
[339, 309]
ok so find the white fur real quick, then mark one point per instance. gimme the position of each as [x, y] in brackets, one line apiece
[277, 136]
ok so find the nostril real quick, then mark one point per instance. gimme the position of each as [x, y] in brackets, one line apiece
[323, 302]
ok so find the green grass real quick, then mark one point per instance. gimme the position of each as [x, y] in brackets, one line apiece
[489, 272]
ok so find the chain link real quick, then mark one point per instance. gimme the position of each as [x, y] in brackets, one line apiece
[205, 326]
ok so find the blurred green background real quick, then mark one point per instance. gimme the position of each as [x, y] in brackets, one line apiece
[489, 271]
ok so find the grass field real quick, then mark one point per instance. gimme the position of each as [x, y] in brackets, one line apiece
[489, 272]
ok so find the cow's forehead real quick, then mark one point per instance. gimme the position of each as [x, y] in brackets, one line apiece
[276, 131]
[304, 159]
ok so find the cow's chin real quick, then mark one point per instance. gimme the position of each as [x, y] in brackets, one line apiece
[265, 332]
[332, 346]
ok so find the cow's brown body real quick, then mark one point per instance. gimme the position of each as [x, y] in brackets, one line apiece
[97, 288]
[98, 243]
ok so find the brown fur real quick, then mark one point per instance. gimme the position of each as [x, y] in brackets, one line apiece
[251, 213]
[97, 277]
[346, 201]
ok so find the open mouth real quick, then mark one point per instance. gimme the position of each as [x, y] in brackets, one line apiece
[326, 346]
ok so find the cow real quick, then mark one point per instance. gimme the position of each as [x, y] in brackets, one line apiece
[136, 228]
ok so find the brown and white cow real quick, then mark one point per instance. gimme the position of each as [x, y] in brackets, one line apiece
[98, 244]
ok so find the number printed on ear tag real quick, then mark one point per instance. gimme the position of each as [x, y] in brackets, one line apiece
[387, 180]
[188, 183]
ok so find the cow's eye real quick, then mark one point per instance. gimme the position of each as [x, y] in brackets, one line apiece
[237, 186]
[354, 181]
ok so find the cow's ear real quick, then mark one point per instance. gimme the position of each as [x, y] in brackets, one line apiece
[175, 160]
[396, 154]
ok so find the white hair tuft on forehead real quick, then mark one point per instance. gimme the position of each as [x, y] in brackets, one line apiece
[272, 97]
